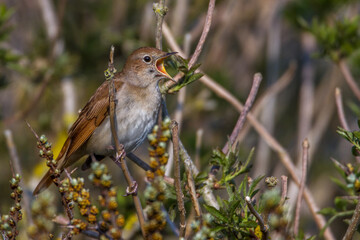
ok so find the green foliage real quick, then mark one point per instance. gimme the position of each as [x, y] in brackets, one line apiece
[337, 40]
[234, 218]
[307, 10]
[7, 58]
[190, 75]
[349, 181]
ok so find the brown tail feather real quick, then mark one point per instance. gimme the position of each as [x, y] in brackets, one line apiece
[43, 184]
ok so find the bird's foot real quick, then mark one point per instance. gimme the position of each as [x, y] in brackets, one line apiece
[132, 190]
[120, 155]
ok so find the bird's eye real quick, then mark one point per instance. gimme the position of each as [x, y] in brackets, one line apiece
[147, 59]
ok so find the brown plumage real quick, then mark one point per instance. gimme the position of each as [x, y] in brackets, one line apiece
[138, 102]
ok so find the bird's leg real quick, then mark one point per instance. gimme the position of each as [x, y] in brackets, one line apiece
[139, 162]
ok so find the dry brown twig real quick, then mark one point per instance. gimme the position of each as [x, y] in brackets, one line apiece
[305, 160]
[284, 182]
[16, 168]
[240, 122]
[263, 227]
[273, 143]
[353, 223]
[119, 159]
[344, 68]
[177, 176]
[340, 109]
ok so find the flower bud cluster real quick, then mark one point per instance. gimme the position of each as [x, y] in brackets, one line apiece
[202, 228]
[112, 222]
[155, 191]
[43, 211]
[8, 222]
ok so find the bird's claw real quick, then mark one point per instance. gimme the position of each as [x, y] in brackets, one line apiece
[132, 190]
[120, 155]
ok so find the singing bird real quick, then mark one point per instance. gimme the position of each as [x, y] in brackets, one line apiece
[138, 102]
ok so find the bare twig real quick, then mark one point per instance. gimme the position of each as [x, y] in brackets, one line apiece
[340, 109]
[284, 182]
[204, 33]
[273, 143]
[200, 44]
[192, 192]
[160, 11]
[305, 160]
[177, 176]
[120, 157]
[344, 68]
[16, 168]
[263, 228]
[273, 90]
[353, 223]
[199, 135]
[240, 122]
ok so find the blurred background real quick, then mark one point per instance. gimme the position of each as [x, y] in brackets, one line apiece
[53, 55]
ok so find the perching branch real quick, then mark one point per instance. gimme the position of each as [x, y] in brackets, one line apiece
[120, 153]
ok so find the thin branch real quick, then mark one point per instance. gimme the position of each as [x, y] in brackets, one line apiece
[305, 160]
[192, 192]
[200, 44]
[240, 123]
[353, 223]
[263, 228]
[160, 11]
[199, 136]
[16, 168]
[284, 182]
[273, 90]
[340, 109]
[204, 33]
[177, 176]
[273, 143]
[120, 158]
[344, 68]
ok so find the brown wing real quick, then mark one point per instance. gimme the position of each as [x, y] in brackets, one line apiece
[91, 116]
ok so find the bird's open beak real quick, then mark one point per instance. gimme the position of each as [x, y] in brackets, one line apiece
[160, 65]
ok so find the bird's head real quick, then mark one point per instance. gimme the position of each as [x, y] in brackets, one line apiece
[146, 65]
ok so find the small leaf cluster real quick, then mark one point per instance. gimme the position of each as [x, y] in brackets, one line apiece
[234, 218]
[338, 39]
[190, 75]
[349, 182]
[8, 222]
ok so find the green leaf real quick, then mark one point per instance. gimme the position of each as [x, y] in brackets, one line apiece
[233, 206]
[216, 213]
[254, 184]
[328, 211]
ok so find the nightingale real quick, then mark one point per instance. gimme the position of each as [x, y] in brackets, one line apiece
[138, 102]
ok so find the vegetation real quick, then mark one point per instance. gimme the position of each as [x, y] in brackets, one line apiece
[283, 165]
